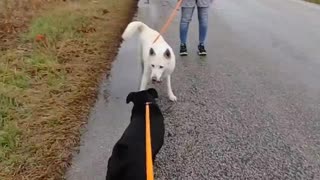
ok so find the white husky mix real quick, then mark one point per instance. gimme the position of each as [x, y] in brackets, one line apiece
[158, 59]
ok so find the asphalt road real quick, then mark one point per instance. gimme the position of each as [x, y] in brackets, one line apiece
[249, 110]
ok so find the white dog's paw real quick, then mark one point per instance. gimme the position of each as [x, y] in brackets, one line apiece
[172, 98]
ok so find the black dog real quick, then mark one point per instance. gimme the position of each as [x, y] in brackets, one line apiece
[128, 159]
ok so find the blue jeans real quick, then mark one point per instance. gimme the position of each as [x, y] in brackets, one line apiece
[186, 17]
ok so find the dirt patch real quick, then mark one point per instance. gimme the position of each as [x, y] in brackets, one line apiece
[50, 76]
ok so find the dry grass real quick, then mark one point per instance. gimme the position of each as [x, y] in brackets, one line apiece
[48, 82]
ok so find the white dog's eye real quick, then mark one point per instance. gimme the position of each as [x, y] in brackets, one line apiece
[161, 67]
[152, 65]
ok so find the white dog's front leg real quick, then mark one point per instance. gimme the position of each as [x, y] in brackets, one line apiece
[144, 80]
[172, 97]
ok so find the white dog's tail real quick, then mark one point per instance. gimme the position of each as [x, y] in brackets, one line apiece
[132, 28]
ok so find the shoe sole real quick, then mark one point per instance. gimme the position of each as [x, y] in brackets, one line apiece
[184, 54]
[202, 54]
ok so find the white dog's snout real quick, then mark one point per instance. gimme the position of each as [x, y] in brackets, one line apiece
[155, 79]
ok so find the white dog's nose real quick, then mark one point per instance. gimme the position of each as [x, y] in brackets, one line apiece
[155, 79]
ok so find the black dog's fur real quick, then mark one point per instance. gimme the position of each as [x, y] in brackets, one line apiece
[128, 159]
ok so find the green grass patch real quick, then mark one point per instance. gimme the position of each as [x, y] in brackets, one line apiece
[314, 1]
[16, 78]
[7, 104]
[8, 129]
[8, 140]
[57, 26]
[41, 63]
[10, 72]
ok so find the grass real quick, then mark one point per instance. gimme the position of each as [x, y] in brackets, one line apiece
[314, 1]
[9, 130]
[48, 81]
[59, 25]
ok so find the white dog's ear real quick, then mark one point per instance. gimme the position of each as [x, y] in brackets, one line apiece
[151, 52]
[167, 54]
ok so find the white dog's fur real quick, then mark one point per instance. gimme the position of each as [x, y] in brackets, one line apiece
[158, 59]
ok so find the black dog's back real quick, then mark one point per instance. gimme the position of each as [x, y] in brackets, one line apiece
[128, 161]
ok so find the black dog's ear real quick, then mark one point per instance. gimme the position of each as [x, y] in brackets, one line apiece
[151, 52]
[153, 92]
[167, 54]
[130, 97]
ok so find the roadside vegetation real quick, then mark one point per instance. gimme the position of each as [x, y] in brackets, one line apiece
[52, 57]
[314, 1]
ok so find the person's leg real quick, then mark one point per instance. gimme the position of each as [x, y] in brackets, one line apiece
[203, 27]
[186, 17]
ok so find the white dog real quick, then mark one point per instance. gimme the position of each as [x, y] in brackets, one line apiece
[158, 59]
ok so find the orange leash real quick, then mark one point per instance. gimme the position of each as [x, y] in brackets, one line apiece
[166, 25]
[149, 163]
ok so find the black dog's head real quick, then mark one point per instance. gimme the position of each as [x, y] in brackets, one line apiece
[142, 97]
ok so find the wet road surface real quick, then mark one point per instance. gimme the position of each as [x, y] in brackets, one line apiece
[249, 110]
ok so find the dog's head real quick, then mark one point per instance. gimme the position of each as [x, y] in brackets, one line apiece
[159, 62]
[142, 97]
